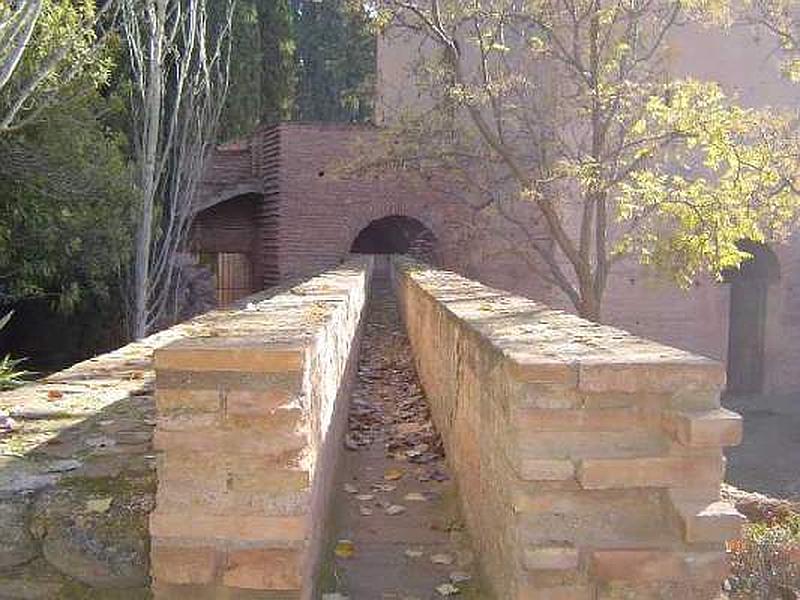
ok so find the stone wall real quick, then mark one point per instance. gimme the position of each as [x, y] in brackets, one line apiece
[78, 464]
[589, 461]
[251, 415]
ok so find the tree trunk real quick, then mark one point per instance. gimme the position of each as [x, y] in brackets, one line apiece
[149, 179]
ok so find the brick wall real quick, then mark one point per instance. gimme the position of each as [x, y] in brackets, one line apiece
[251, 412]
[589, 460]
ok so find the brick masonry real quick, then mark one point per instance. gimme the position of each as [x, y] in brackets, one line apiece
[589, 460]
[250, 421]
[308, 216]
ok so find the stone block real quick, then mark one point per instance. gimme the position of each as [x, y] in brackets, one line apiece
[257, 403]
[187, 400]
[582, 420]
[263, 569]
[263, 442]
[651, 376]
[551, 558]
[199, 526]
[668, 471]
[239, 354]
[532, 469]
[532, 591]
[637, 565]
[183, 564]
[708, 428]
[707, 523]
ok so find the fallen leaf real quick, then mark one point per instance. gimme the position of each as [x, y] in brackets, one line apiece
[365, 511]
[384, 487]
[54, 395]
[345, 549]
[447, 589]
[365, 497]
[415, 497]
[350, 488]
[395, 509]
[441, 559]
[393, 474]
[412, 553]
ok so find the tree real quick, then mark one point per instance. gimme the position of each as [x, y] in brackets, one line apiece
[179, 72]
[278, 69]
[49, 51]
[566, 113]
[336, 61]
[65, 208]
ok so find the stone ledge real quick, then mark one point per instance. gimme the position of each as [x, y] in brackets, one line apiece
[549, 346]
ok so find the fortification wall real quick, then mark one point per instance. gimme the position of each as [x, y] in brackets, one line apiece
[589, 460]
[251, 448]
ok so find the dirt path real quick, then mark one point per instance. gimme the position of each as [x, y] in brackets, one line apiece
[399, 535]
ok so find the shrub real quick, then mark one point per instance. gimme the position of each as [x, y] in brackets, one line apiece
[765, 563]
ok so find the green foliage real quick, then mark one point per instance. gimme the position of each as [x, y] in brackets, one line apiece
[65, 208]
[336, 61]
[278, 71]
[725, 174]
[299, 59]
[10, 375]
[65, 57]
[569, 112]
[245, 101]
[766, 561]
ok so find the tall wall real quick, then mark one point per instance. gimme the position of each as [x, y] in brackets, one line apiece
[251, 416]
[589, 461]
[747, 64]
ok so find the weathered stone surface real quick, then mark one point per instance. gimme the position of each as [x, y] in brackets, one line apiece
[96, 531]
[17, 546]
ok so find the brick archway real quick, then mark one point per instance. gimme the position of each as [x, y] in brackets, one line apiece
[397, 234]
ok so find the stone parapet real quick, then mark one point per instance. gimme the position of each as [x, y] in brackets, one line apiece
[589, 461]
[250, 419]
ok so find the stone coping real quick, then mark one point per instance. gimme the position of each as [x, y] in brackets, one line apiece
[545, 345]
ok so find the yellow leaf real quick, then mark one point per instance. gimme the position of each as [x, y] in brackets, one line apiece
[345, 549]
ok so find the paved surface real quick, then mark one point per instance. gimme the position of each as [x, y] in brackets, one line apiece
[768, 460]
[399, 534]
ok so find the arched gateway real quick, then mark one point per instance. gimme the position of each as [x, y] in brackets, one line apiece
[276, 206]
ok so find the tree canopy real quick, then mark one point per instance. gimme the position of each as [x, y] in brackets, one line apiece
[570, 110]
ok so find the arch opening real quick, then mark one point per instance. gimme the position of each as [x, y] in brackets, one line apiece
[224, 240]
[748, 318]
[396, 234]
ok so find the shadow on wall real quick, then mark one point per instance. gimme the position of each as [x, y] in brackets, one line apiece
[748, 318]
[397, 234]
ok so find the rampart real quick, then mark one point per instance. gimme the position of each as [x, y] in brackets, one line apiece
[589, 461]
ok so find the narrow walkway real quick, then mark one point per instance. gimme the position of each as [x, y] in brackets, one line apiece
[399, 534]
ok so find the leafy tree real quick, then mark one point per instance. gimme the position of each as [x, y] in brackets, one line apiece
[564, 113]
[65, 208]
[278, 69]
[50, 51]
[336, 61]
[245, 100]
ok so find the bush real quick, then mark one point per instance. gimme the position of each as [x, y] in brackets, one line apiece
[10, 375]
[765, 563]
